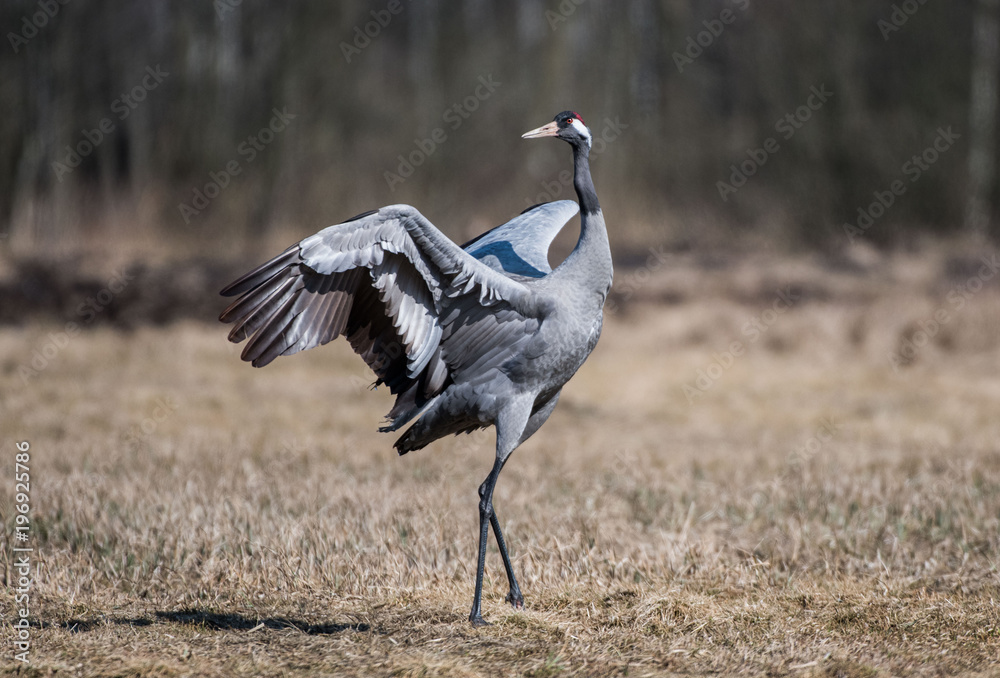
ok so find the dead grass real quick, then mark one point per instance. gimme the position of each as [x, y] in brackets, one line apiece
[193, 516]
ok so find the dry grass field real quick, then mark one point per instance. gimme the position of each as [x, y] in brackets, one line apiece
[739, 482]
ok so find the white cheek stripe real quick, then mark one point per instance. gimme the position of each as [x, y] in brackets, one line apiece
[581, 128]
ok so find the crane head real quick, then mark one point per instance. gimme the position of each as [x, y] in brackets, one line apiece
[568, 126]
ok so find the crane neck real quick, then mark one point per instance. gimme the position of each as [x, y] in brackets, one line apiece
[593, 234]
[582, 181]
[588, 268]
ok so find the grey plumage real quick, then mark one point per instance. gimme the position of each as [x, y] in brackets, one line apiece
[464, 338]
[521, 246]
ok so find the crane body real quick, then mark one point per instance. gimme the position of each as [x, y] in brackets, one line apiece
[465, 338]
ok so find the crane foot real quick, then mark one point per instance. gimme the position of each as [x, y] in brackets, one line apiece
[477, 620]
[516, 600]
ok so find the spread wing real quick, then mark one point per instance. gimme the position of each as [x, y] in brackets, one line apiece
[412, 303]
[521, 246]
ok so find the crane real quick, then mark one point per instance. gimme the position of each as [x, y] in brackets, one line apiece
[463, 338]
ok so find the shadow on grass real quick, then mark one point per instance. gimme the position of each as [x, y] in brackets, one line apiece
[210, 620]
[238, 622]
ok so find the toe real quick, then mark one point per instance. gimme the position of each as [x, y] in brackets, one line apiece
[516, 600]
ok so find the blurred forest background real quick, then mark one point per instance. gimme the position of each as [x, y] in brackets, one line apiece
[780, 460]
[119, 114]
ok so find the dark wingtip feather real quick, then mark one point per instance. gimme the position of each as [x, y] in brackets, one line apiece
[260, 274]
[360, 216]
[537, 204]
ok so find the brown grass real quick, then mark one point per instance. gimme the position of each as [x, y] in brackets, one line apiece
[262, 527]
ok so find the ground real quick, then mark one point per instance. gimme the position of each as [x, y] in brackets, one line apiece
[769, 466]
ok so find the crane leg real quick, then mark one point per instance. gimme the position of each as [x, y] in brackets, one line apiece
[514, 597]
[486, 516]
[510, 426]
[535, 421]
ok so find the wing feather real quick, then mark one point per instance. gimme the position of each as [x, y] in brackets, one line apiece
[262, 302]
[521, 246]
[411, 303]
[261, 274]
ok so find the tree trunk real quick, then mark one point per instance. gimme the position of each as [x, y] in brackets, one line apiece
[982, 116]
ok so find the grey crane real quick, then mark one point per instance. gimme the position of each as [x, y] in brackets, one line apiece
[464, 338]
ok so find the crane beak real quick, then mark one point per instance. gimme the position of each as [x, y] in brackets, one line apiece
[550, 130]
